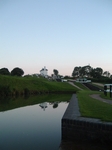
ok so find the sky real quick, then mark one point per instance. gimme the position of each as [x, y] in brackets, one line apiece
[58, 34]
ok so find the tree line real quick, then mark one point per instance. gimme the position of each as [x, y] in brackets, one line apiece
[15, 72]
[18, 72]
[90, 72]
[78, 71]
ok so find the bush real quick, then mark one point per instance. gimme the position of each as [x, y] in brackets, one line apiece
[17, 72]
[4, 71]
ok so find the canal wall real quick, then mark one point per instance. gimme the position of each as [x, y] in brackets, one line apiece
[75, 127]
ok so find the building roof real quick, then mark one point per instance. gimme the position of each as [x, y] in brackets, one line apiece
[43, 69]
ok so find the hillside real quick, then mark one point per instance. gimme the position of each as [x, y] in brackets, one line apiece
[32, 85]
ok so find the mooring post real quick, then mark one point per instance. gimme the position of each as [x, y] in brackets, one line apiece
[110, 91]
[105, 90]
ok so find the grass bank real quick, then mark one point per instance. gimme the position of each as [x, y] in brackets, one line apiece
[11, 85]
[90, 107]
[80, 85]
[106, 96]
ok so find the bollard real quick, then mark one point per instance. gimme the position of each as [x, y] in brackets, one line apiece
[105, 90]
[110, 91]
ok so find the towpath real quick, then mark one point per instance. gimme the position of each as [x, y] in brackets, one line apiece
[97, 96]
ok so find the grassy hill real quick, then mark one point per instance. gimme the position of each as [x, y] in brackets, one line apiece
[32, 85]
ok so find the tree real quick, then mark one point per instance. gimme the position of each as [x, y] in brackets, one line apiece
[106, 73]
[96, 72]
[76, 71]
[55, 72]
[17, 72]
[85, 71]
[88, 71]
[4, 71]
[99, 70]
[110, 76]
[92, 73]
[81, 71]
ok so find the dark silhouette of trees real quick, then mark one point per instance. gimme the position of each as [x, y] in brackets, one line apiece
[87, 71]
[110, 76]
[55, 72]
[106, 74]
[76, 72]
[81, 71]
[4, 71]
[17, 72]
[96, 72]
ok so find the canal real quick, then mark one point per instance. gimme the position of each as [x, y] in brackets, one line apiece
[34, 123]
[32, 127]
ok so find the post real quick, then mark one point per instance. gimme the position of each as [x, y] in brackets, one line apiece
[105, 90]
[110, 91]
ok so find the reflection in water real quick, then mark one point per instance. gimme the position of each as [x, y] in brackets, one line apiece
[43, 105]
[30, 128]
[55, 105]
[16, 102]
[4, 100]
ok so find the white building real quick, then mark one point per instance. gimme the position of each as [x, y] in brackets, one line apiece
[44, 72]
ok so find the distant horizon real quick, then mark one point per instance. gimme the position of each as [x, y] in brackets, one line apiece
[51, 72]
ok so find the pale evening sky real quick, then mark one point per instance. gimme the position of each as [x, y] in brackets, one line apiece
[58, 34]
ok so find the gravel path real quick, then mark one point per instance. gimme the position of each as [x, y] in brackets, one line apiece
[97, 96]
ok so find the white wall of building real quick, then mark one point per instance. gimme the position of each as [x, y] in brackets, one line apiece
[44, 72]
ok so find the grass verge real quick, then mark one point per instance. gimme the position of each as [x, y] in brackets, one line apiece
[106, 97]
[90, 107]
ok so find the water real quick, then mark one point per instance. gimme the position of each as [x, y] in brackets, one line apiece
[27, 124]
[32, 127]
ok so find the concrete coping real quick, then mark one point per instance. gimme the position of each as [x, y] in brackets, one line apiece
[73, 113]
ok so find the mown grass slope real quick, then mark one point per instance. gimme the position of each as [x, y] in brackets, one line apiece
[33, 85]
